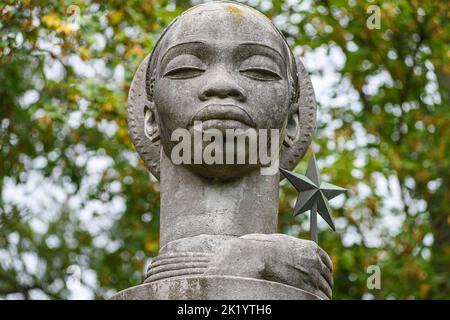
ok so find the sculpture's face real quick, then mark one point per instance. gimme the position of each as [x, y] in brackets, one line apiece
[225, 65]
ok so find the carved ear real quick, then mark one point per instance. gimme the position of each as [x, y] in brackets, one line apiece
[151, 127]
[292, 127]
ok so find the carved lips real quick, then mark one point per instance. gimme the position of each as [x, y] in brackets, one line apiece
[223, 116]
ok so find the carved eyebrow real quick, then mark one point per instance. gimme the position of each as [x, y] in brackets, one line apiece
[180, 45]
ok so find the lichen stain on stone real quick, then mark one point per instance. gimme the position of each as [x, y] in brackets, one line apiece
[236, 12]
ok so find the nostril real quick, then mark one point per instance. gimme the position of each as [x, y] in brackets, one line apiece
[235, 93]
[221, 93]
[222, 90]
[240, 96]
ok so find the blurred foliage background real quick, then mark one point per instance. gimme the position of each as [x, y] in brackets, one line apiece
[79, 214]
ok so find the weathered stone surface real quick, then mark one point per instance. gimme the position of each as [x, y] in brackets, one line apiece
[274, 257]
[302, 122]
[225, 64]
[213, 288]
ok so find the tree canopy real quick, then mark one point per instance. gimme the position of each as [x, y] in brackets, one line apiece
[80, 213]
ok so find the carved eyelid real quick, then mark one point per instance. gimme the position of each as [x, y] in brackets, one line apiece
[259, 62]
[259, 68]
[184, 61]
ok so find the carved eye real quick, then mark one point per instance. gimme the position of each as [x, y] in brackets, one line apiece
[184, 72]
[260, 68]
[184, 66]
[261, 74]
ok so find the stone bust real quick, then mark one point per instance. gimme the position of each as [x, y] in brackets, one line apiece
[227, 65]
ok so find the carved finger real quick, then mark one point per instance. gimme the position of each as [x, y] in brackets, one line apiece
[325, 258]
[326, 274]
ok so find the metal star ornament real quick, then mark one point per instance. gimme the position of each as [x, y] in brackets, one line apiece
[313, 195]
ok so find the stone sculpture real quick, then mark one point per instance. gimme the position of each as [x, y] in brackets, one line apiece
[227, 65]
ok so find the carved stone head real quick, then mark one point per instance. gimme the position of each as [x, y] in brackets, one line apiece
[227, 65]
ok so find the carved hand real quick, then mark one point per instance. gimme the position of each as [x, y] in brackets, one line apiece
[276, 257]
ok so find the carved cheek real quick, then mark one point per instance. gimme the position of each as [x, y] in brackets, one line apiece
[166, 94]
[176, 101]
[281, 101]
[281, 94]
[279, 91]
[165, 101]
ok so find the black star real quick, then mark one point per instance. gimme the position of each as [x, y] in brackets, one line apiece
[313, 195]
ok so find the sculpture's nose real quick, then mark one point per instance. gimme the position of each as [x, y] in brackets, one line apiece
[222, 85]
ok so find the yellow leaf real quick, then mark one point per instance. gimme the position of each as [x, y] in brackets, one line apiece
[151, 246]
[107, 107]
[85, 53]
[74, 97]
[424, 288]
[45, 120]
[156, 26]
[64, 28]
[51, 20]
[417, 236]
[390, 8]
[115, 17]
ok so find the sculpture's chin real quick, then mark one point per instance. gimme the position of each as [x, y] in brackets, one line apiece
[222, 171]
[219, 169]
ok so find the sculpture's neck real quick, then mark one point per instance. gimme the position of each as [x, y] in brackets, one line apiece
[191, 205]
